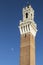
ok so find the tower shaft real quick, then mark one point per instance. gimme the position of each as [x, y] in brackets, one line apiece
[27, 50]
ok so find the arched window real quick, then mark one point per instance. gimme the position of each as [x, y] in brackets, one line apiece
[26, 15]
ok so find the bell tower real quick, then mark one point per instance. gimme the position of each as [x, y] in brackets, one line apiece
[28, 30]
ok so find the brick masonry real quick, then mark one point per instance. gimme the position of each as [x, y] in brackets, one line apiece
[27, 49]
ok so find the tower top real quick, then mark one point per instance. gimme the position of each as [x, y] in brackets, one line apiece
[28, 13]
[28, 24]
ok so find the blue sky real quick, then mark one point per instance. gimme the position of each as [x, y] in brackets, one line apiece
[10, 14]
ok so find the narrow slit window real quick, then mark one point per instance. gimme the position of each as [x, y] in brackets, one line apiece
[26, 15]
[22, 29]
[31, 16]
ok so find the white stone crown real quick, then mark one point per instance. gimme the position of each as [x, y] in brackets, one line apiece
[28, 24]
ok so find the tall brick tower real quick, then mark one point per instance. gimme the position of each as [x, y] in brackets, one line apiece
[28, 29]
